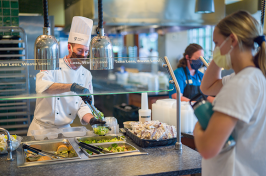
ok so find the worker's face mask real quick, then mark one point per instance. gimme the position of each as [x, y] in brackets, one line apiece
[75, 55]
[196, 64]
[223, 61]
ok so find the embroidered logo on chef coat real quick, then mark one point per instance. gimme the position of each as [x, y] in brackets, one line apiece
[89, 86]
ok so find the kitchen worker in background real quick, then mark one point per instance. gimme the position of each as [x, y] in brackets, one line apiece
[239, 107]
[187, 74]
[59, 112]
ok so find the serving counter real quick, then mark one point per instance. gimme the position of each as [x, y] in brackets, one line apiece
[159, 161]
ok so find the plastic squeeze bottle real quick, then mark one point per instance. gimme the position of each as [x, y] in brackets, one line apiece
[144, 112]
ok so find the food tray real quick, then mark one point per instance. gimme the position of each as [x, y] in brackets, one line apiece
[106, 145]
[84, 138]
[150, 143]
[51, 147]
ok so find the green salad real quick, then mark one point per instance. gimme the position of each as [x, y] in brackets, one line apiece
[101, 130]
[113, 148]
[102, 141]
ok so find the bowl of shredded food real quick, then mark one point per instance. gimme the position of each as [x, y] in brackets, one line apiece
[16, 140]
[100, 129]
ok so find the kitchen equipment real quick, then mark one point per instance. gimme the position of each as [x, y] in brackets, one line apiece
[106, 145]
[164, 110]
[98, 139]
[149, 143]
[74, 131]
[203, 111]
[127, 124]
[40, 152]
[111, 122]
[95, 112]
[49, 146]
[101, 49]
[46, 48]
[51, 133]
[83, 145]
[96, 148]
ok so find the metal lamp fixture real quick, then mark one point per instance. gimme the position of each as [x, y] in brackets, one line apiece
[101, 50]
[46, 49]
[204, 6]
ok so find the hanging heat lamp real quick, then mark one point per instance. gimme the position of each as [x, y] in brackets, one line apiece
[46, 48]
[101, 50]
[204, 6]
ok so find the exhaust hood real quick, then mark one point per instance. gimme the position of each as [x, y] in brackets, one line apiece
[145, 12]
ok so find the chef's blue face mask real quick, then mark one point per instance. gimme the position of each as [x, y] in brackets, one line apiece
[196, 64]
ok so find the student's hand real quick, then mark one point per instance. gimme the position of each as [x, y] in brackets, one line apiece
[197, 129]
[79, 89]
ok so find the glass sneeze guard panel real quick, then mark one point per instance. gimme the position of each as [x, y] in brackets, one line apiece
[130, 75]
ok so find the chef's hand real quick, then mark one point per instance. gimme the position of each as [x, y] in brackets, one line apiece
[79, 89]
[94, 121]
[87, 99]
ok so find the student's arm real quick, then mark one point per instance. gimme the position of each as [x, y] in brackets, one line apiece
[210, 142]
[182, 98]
[211, 83]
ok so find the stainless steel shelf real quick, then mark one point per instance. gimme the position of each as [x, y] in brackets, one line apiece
[19, 132]
[12, 108]
[12, 76]
[12, 55]
[13, 114]
[11, 41]
[14, 120]
[15, 126]
[12, 49]
[12, 83]
[12, 104]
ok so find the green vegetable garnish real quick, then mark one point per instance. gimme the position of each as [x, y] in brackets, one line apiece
[114, 145]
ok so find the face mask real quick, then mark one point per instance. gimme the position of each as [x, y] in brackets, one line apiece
[75, 55]
[196, 64]
[223, 61]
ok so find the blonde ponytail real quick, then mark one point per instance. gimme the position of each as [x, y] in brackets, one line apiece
[260, 58]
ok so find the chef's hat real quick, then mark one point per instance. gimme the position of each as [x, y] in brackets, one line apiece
[80, 31]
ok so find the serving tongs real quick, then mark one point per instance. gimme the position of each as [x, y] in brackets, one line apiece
[40, 152]
[95, 112]
[93, 148]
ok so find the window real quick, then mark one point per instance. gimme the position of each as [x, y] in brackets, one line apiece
[203, 37]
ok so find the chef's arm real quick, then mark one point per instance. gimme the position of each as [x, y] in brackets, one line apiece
[211, 83]
[87, 117]
[57, 88]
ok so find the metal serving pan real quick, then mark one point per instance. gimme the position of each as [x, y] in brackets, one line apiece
[86, 138]
[48, 146]
[109, 144]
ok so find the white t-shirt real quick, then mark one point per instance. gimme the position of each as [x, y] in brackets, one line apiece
[243, 96]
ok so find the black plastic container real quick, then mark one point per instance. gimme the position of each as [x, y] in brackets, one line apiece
[150, 143]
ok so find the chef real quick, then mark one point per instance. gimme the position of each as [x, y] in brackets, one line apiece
[71, 79]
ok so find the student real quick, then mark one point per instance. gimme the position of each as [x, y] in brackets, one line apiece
[239, 107]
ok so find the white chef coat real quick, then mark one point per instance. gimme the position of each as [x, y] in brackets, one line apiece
[243, 96]
[56, 112]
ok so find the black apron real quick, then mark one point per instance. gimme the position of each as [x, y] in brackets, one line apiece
[190, 90]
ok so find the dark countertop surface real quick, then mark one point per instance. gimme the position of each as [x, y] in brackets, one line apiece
[188, 135]
[159, 161]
